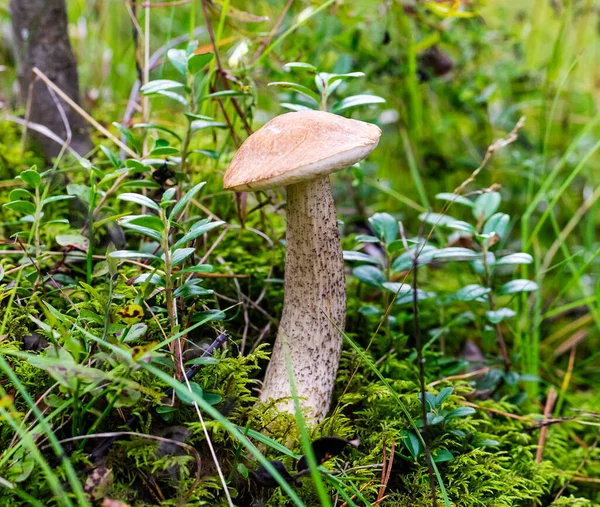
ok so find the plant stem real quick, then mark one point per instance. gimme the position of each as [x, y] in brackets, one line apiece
[421, 361]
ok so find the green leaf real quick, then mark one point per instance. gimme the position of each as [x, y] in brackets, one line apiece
[131, 254]
[129, 136]
[455, 254]
[223, 94]
[356, 100]
[497, 316]
[370, 275]
[385, 226]
[179, 59]
[192, 116]
[31, 177]
[497, 223]
[145, 231]
[241, 468]
[366, 238]
[471, 293]
[442, 456]
[150, 278]
[298, 88]
[140, 199]
[412, 443]
[175, 96]
[135, 332]
[486, 205]
[203, 124]
[73, 240]
[296, 107]
[192, 289]
[352, 255]
[455, 198]
[192, 235]
[443, 395]
[182, 203]
[164, 151]
[300, 66]
[160, 85]
[516, 286]
[80, 191]
[397, 287]
[196, 389]
[114, 160]
[150, 221]
[203, 361]
[24, 207]
[460, 412]
[200, 268]
[20, 194]
[462, 226]
[516, 258]
[436, 218]
[405, 261]
[180, 255]
[198, 61]
[407, 297]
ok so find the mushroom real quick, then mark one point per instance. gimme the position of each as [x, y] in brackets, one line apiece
[298, 151]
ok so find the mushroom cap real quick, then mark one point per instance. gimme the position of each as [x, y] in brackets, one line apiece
[300, 146]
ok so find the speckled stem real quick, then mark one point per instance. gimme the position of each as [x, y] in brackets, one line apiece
[315, 288]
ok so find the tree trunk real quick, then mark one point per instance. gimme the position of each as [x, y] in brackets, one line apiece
[41, 40]
[315, 291]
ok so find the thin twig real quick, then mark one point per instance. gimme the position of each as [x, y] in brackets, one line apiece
[550, 400]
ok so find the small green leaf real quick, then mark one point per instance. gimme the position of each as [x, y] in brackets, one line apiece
[241, 468]
[462, 226]
[131, 254]
[497, 223]
[31, 177]
[140, 199]
[129, 136]
[370, 275]
[150, 221]
[497, 316]
[385, 226]
[145, 231]
[516, 258]
[298, 88]
[179, 59]
[412, 443]
[472, 292]
[160, 85]
[20, 194]
[455, 254]
[200, 268]
[455, 198]
[366, 238]
[203, 124]
[460, 412]
[198, 61]
[175, 96]
[203, 361]
[356, 100]
[443, 395]
[181, 254]
[296, 107]
[24, 207]
[56, 198]
[193, 234]
[352, 255]
[516, 286]
[486, 205]
[73, 240]
[436, 218]
[300, 66]
[442, 456]
[182, 203]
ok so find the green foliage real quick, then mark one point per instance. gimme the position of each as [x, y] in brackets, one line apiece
[117, 271]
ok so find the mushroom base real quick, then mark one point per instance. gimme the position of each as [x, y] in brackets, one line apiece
[315, 292]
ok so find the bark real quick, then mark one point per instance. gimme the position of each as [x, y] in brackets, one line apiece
[41, 40]
[315, 289]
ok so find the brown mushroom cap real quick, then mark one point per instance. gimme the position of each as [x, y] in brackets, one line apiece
[295, 147]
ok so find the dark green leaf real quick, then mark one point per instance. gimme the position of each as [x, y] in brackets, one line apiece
[486, 205]
[198, 61]
[370, 275]
[356, 100]
[140, 199]
[352, 255]
[385, 226]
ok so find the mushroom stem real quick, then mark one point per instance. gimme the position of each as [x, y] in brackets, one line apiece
[315, 291]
